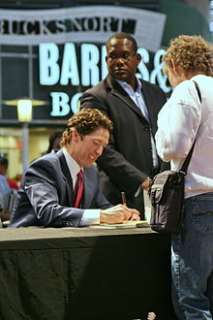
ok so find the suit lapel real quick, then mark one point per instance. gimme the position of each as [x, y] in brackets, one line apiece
[148, 98]
[88, 190]
[88, 183]
[66, 175]
[118, 91]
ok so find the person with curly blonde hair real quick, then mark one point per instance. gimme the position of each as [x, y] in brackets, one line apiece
[190, 53]
[62, 189]
[187, 117]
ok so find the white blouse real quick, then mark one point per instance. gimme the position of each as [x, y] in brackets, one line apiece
[181, 120]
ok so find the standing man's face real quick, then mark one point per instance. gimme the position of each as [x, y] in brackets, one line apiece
[122, 60]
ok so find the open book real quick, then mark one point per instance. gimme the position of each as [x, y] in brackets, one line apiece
[127, 225]
[130, 224]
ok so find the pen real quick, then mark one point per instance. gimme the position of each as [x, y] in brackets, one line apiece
[123, 196]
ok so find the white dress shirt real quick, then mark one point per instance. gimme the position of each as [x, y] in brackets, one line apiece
[181, 120]
[90, 216]
[4, 192]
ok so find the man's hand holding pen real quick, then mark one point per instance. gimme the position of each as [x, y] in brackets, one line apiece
[146, 184]
[119, 214]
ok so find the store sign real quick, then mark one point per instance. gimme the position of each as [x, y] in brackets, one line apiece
[85, 70]
[80, 24]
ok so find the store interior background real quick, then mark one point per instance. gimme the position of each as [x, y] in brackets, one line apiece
[22, 62]
[11, 146]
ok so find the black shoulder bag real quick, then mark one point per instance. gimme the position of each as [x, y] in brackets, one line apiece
[167, 196]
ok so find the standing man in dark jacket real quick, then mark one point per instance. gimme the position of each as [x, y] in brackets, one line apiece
[130, 160]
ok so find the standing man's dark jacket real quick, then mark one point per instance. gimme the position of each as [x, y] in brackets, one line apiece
[127, 160]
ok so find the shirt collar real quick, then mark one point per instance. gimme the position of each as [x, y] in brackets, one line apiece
[73, 166]
[127, 87]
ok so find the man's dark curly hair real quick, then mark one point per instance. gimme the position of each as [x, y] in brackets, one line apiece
[85, 122]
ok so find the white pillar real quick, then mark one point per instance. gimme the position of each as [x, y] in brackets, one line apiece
[25, 116]
[25, 147]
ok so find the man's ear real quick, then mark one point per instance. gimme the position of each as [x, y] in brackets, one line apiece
[139, 58]
[74, 135]
[175, 68]
[172, 66]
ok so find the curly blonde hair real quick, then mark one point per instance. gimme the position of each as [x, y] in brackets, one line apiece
[191, 53]
[85, 122]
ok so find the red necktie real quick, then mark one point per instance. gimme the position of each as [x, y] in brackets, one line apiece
[79, 189]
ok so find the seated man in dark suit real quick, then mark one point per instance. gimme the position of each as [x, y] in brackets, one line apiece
[62, 189]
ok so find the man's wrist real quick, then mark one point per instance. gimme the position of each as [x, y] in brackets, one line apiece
[103, 217]
[146, 184]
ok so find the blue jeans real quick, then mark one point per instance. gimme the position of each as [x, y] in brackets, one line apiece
[192, 261]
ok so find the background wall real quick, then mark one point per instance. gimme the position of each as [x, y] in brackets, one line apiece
[19, 66]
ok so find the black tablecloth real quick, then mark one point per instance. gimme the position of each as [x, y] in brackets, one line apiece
[77, 274]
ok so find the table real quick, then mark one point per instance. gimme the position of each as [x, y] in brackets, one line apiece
[84, 274]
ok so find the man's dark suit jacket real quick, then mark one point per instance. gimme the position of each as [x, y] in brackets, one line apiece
[127, 160]
[47, 194]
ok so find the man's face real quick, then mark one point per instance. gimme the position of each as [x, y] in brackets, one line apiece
[86, 149]
[122, 60]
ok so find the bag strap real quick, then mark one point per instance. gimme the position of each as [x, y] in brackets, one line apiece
[198, 91]
[185, 165]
